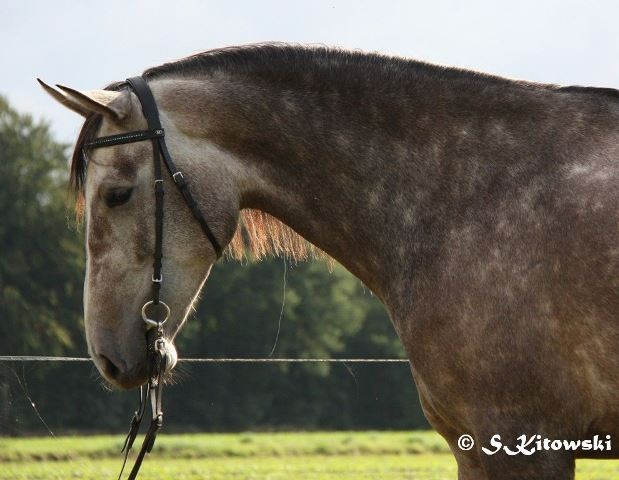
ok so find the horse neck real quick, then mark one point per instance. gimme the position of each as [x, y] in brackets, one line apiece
[335, 166]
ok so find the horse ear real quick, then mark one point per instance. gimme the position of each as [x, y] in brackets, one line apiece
[63, 99]
[106, 102]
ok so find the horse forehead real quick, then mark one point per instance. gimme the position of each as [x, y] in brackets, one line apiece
[116, 164]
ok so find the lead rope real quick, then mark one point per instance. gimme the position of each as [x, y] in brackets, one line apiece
[134, 426]
[158, 358]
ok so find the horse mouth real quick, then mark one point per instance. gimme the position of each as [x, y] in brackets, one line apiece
[119, 377]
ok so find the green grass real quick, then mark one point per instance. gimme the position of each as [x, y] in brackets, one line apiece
[240, 445]
[245, 456]
[244, 468]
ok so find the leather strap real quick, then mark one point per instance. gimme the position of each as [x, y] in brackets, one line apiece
[149, 108]
[134, 427]
[157, 360]
[157, 366]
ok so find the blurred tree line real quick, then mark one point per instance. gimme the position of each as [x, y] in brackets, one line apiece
[326, 313]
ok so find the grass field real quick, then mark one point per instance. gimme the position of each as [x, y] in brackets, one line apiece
[294, 456]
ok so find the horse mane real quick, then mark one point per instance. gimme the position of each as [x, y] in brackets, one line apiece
[260, 234]
[269, 59]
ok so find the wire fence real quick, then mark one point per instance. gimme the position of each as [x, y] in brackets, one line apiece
[15, 417]
[42, 358]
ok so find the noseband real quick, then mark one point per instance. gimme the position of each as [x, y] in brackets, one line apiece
[154, 309]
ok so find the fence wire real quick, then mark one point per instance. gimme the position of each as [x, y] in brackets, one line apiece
[41, 358]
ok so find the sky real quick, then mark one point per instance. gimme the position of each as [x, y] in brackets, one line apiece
[86, 44]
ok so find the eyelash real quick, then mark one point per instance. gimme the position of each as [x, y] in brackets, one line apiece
[117, 196]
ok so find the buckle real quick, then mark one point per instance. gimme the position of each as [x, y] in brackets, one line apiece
[180, 180]
[157, 280]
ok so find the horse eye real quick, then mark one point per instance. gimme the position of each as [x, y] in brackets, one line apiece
[117, 196]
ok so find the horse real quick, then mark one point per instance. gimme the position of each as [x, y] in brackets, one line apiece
[482, 211]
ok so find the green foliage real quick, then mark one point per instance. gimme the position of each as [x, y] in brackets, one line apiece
[41, 262]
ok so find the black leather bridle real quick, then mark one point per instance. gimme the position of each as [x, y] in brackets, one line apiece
[154, 309]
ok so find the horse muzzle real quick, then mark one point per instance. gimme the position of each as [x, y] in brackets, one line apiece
[116, 371]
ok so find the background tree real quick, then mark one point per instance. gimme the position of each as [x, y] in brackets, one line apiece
[41, 260]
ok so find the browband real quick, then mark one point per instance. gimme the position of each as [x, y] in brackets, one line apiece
[121, 138]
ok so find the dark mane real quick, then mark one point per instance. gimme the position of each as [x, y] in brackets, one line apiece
[295, 65]
[611, 92]
[273, 59]
[279, 62]
[78, 160]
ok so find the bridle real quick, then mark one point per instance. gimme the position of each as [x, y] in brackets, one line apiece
[152, 310]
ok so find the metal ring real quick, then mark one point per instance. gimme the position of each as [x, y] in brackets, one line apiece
[150, 323]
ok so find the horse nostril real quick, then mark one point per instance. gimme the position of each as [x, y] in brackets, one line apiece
[109, 367]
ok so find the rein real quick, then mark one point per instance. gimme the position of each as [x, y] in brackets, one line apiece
[155, 308]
